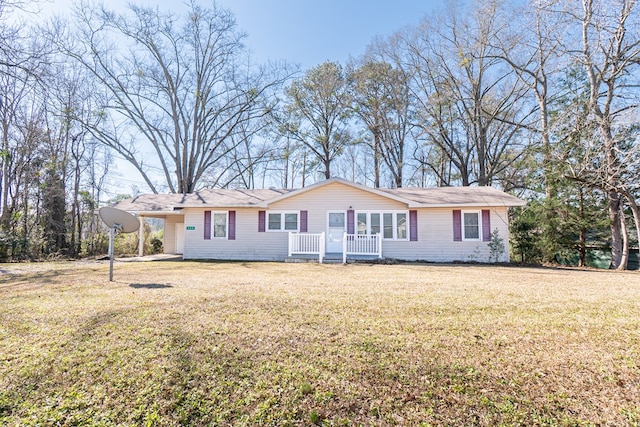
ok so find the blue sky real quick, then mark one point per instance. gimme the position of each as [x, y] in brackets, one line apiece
[309, 32]
[304, 32]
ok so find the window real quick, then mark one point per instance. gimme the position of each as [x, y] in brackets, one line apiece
[275, 221]
[220, 224]
[282, 221]
[291, 221]
[375, 223]
[362, 223]
[401, 226]
[336, 219]
[387, 220]
[471, 226]
[392, 225]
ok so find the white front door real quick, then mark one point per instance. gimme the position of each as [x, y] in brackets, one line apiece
[179, 238]
[335, 231]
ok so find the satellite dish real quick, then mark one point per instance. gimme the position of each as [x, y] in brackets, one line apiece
[122, 221]
[118, 221]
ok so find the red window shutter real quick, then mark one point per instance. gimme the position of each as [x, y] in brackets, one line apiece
[413, 226]
[351, 226]
[207, 225]
[486, 225]
[262, 219]
[303, 221]
[457, 226]
[232, 225]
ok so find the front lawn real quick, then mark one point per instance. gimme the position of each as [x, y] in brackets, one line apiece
[196, 343]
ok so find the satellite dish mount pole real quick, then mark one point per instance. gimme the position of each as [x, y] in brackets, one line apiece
[118, 221]
[112, 234]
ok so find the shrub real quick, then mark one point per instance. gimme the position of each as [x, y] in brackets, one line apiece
[496, 246]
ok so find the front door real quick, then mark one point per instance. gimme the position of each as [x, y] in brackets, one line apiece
[335, 231]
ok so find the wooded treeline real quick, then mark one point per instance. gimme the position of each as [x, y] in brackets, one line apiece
[538, 98]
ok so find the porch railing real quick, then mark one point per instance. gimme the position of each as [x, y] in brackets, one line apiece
[361, 244]
[307, 244]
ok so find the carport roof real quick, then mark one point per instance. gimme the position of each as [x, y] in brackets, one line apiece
[209, 198]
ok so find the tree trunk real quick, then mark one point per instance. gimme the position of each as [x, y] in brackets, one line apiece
[624, 258]
[616, 232]
[635, 211]
[327, 168]
[5, 217]
[582, 247]
[304, 169]
[376, 160]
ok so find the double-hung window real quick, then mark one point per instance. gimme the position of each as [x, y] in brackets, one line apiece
[387, 228]
[471, 225]
[219, 224]
[401, 225]
[375, 223]
[362, 223]
[392, 225]
[282, 221]
[275, 221]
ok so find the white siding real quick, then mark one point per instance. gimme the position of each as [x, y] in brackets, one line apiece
[435, 239]
[435, 229]
[335, 197]
[249, 244]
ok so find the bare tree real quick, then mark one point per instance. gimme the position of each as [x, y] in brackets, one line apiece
[20, 62]
[468, 102]
[380, 96]
[318, 113]
[68, 95]
[180, 97]
[609, 52]
[370, 106]
[18, 116]
[534, 50]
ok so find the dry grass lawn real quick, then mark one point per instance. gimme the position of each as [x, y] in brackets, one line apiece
[188, 343]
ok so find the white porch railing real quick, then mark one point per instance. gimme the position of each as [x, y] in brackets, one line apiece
[361, 244]
[307, 244]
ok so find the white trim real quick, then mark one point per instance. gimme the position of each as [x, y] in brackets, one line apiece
[282, 214]
[226, 225]
[394, 223]
[464, 231]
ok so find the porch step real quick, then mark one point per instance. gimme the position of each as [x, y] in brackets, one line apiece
[314, 259]
[332, 258]
[299, 259]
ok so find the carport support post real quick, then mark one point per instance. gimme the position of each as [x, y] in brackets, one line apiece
[141, 238]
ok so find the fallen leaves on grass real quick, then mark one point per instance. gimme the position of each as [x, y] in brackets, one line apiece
[187, 343]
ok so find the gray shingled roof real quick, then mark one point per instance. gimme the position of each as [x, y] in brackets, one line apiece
[229, 198]
[211, 198]
[150, 203]
[457, 196]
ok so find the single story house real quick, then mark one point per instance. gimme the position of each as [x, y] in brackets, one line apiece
[334, 218]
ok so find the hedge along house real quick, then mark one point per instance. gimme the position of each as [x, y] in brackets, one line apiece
[335, 219]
